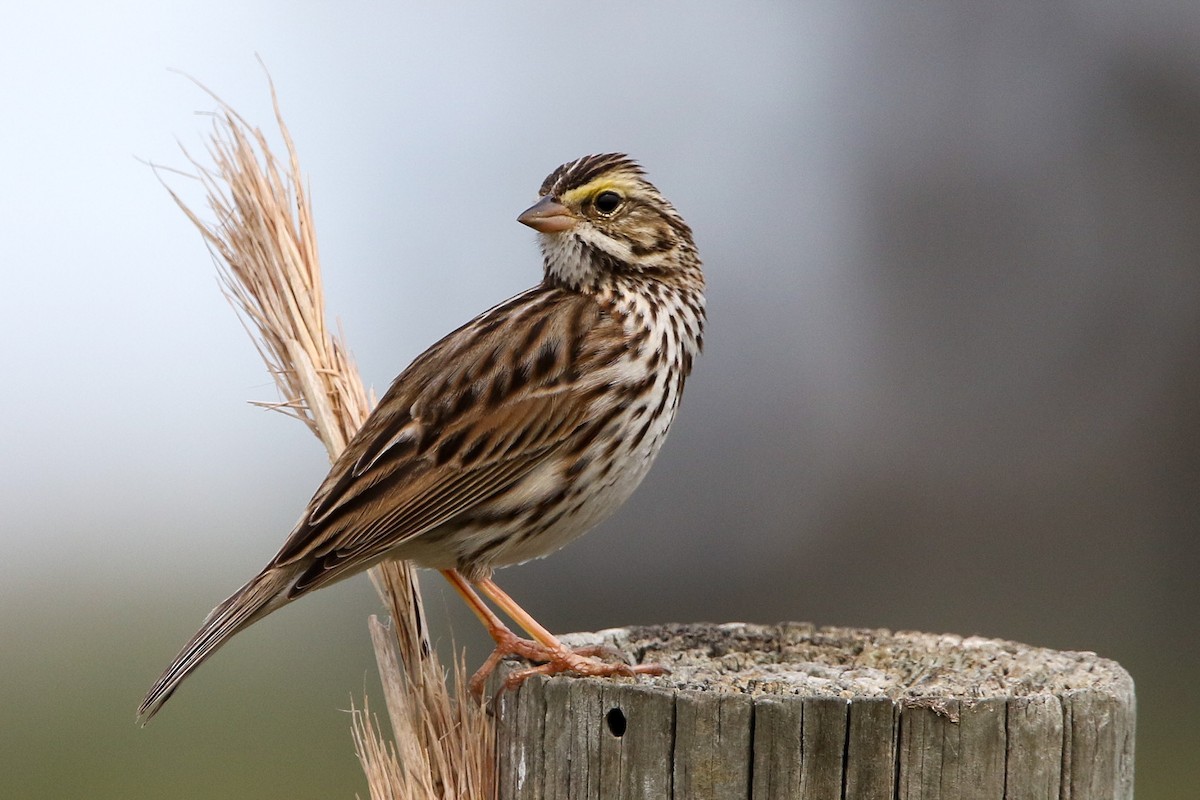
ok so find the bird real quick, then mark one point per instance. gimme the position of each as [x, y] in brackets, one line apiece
[515, 433]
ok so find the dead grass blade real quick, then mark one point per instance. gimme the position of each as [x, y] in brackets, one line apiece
[265, 246]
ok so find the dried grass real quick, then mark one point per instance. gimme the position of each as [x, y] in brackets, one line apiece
[447, 748]
[264, 243]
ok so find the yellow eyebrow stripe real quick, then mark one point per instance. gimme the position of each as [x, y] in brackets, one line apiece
[576, 196]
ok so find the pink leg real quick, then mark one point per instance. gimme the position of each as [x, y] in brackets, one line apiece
[544, 646]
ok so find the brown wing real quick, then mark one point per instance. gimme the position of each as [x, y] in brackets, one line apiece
[471, 416]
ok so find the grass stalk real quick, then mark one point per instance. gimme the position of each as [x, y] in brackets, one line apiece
[264, 243]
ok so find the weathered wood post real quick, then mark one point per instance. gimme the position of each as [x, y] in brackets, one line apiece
[793, 712]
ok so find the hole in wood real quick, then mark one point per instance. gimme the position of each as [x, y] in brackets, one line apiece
[616, 722]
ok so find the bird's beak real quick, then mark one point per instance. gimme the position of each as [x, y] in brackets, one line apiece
[548, 216]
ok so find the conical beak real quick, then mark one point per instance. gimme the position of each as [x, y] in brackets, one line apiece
[548, 216]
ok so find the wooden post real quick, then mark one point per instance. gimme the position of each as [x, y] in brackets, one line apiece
[794, 712]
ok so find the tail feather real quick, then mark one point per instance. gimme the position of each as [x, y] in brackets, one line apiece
[262, 595]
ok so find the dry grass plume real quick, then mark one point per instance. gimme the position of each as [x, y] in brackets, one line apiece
[264, 243]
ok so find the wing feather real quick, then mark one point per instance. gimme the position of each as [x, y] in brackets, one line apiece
[469, 418]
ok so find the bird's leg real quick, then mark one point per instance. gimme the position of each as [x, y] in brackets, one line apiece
[558, 657]
[500, 632]
[519, 615]
[543, 647]
[507, 642]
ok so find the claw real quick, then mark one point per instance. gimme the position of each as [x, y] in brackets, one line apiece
[606, 652]
[507, 644]
[555, 657]
[583, 661]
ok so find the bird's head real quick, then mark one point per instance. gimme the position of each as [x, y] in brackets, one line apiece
[598, 216]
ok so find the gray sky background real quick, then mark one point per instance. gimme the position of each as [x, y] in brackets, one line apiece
[950, 380]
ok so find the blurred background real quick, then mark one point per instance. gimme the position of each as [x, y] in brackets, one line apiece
[951, 380]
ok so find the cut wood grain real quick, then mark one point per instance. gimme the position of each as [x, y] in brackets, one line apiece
[758, 712]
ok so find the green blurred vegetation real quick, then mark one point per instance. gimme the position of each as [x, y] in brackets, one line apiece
[264, 718]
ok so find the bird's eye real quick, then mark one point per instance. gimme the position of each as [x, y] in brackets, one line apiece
[608, 201]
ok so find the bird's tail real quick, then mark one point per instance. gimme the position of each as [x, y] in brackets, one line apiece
[262, 595]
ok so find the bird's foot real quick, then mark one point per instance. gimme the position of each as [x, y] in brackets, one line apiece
[586, 661]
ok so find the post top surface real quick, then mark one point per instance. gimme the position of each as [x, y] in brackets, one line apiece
[800, 659]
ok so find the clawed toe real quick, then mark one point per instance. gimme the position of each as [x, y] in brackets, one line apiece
[585, 661]
[549, 654]
[507, 644]
[606, 652]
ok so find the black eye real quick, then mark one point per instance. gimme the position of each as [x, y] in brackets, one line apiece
[608, 201]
